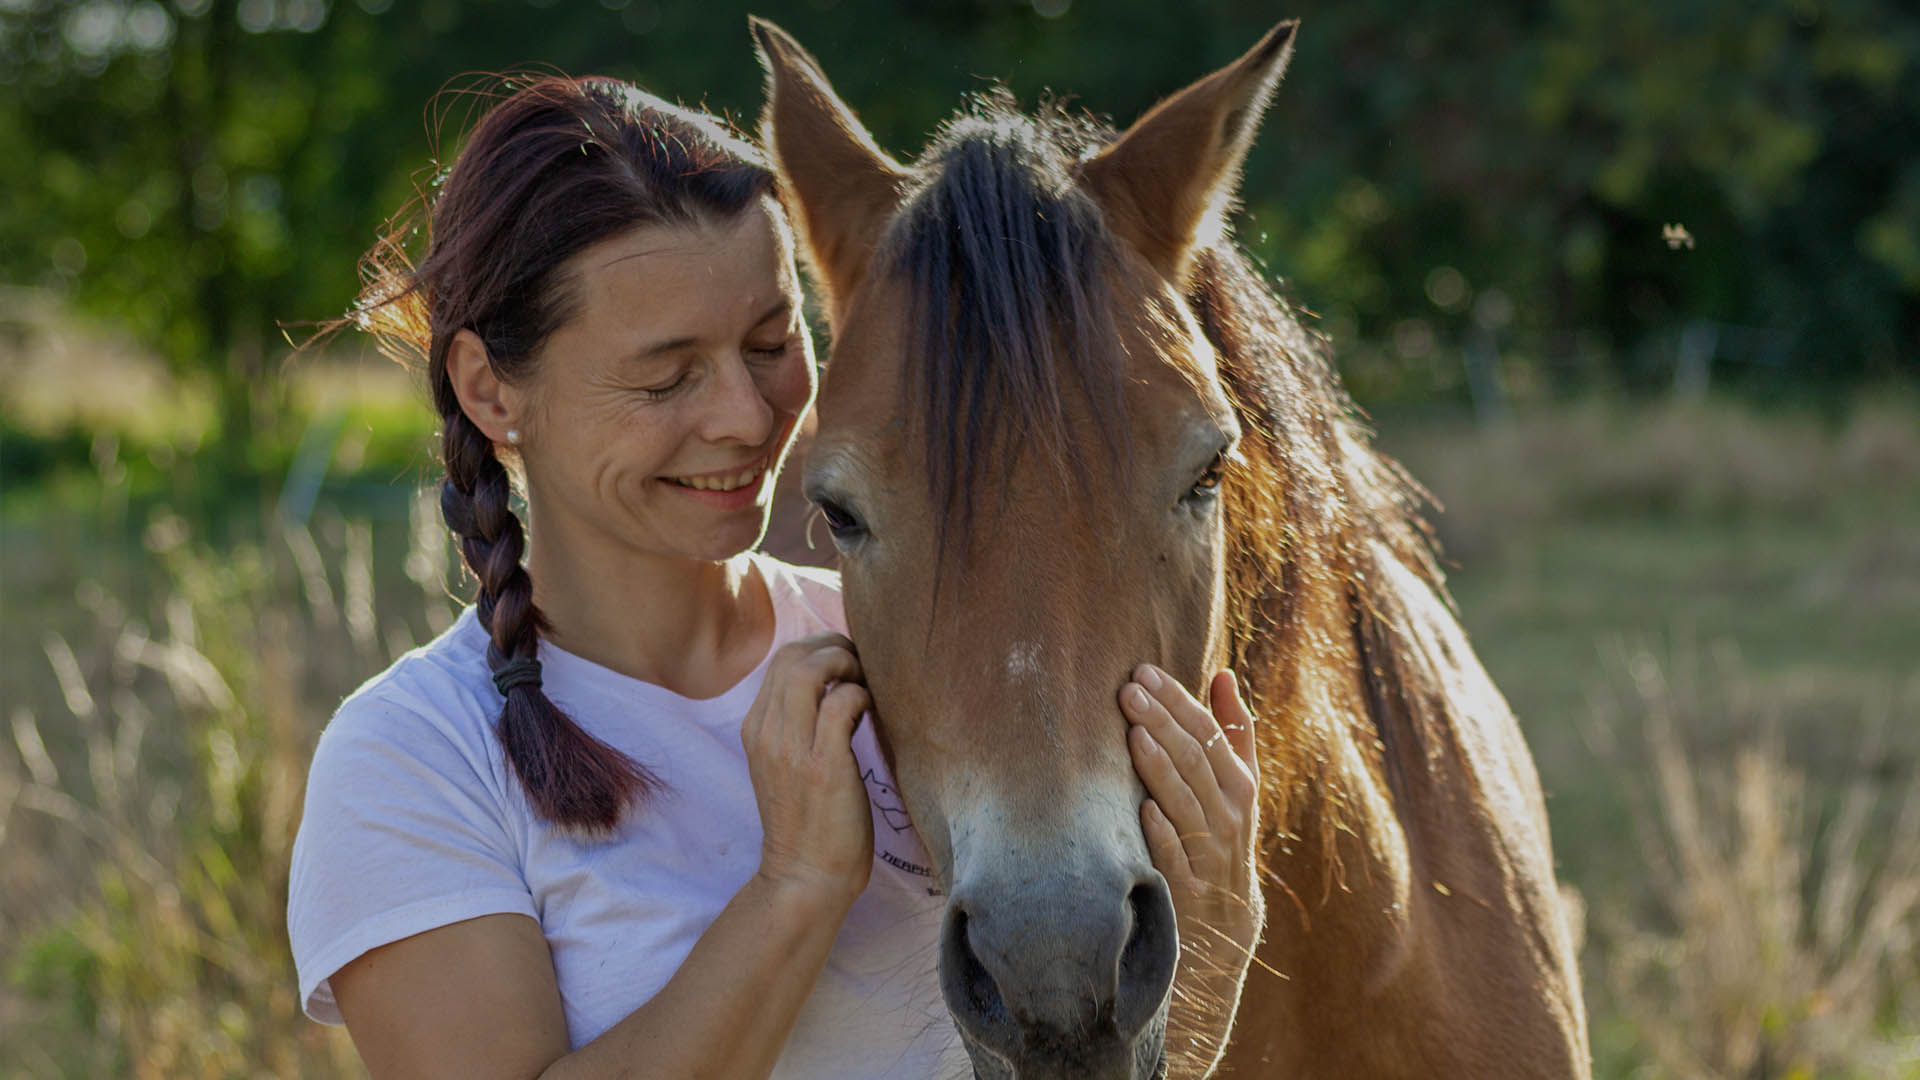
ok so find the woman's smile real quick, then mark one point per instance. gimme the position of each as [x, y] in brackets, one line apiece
[734, 488]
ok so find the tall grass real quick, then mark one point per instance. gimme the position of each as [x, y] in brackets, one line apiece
[1774, 934]
[1504, 484]
[172, 820]
[1752, 902]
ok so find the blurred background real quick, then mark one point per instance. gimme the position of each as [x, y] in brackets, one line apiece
[1633, 286]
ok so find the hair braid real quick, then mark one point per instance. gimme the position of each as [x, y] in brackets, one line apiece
[556, 165]
[571, 778]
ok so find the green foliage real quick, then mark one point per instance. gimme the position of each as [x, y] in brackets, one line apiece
[201, 171]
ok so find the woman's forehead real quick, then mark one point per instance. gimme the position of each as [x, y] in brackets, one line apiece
[731, 254]
[661, 283]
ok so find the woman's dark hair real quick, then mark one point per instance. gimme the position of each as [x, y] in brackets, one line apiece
[556, 165]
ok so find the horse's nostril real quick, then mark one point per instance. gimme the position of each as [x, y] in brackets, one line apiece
[972, 992]
[1148, 958]
[982, 992]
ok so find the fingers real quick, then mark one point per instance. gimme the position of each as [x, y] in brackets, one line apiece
[799, 677]
[1177, 800]
[1236, 720]
[840, 713]
[1205, 760]
[805, 666]
[1163, 844]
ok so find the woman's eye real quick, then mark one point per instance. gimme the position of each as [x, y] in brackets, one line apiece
[769, 352]
[655, 393]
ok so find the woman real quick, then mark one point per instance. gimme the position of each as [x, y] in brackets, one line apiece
[548, 843]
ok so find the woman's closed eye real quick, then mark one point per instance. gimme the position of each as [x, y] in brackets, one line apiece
[769, 351]
[662, 390]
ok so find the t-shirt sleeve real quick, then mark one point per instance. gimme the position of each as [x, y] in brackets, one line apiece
[405, 830]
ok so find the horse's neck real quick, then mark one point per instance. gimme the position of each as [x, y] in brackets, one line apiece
[1408, 855]
[1336, 848]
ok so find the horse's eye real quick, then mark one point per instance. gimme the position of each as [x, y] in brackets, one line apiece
[1209, 483]
[842, 522]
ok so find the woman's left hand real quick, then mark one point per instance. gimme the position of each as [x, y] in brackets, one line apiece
[1201, 820]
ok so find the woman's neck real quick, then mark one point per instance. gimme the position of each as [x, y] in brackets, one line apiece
[693, 627]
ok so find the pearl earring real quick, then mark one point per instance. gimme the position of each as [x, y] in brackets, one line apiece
[513, 436]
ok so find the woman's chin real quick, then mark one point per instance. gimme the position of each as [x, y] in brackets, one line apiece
[733, 537]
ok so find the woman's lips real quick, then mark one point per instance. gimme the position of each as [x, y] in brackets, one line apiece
[734, 488]
[722, 481]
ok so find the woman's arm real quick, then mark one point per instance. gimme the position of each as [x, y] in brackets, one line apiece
[1201, 820]
[479, 998]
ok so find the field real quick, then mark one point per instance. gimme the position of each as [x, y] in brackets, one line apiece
[1706, 617]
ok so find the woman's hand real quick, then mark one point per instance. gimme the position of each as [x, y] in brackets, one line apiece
[1202, 821]
[817, 830]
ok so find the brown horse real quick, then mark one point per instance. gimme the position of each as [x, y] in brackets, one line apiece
[1066, 428]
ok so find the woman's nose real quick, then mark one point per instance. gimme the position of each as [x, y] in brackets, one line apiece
[738, 410]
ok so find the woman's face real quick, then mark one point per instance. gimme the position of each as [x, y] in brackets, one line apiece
[659, 414]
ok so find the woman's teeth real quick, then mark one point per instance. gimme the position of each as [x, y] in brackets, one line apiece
[733, 482]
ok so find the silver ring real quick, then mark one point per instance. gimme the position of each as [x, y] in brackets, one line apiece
[1217, 736]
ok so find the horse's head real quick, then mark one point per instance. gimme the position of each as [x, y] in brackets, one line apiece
[1022, 437]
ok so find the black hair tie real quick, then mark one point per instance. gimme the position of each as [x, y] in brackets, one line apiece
[519, 671]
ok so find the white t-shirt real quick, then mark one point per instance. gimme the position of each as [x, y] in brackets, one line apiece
[414, 821]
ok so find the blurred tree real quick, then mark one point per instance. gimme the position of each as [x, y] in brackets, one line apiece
[1432, 177]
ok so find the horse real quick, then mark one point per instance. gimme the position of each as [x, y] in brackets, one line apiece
[1066, 427]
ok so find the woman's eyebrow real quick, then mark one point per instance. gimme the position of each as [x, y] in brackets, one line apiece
[782, 306]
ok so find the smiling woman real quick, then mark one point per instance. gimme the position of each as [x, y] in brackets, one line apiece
[612, 816]
[662, 433]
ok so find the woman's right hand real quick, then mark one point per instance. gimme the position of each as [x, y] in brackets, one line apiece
[817, 828]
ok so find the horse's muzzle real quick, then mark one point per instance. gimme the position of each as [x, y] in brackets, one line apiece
[1061, 978]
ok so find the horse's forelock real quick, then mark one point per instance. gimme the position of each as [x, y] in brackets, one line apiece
[1010, 311]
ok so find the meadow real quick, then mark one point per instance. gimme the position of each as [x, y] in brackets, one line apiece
[1705, 614]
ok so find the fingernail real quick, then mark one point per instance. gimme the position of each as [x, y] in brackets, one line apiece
[1149, 676]
[1135, 698]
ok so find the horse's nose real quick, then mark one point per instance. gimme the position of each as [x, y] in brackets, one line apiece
[1070, 973]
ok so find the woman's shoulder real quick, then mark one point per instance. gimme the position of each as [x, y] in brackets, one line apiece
[434, 700]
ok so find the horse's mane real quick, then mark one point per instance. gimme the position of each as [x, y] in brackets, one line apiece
[1313, 481]
[1000, 251]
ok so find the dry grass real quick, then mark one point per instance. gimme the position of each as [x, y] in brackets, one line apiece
[160, 707]
[58, 372]
[1713, 460]
[148, 869]
[1774, 934]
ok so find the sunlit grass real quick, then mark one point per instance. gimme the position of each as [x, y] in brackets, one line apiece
[167, 669]
[1772, 931]
[150, 816]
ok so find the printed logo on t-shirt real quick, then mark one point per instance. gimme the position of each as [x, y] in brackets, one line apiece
[895, 841]
[887, 801]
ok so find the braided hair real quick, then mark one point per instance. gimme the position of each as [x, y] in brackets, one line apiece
[556, 165]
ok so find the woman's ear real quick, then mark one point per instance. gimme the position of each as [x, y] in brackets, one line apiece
[492, 405]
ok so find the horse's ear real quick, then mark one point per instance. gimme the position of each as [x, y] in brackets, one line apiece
[839, 185]
[1165, 184]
